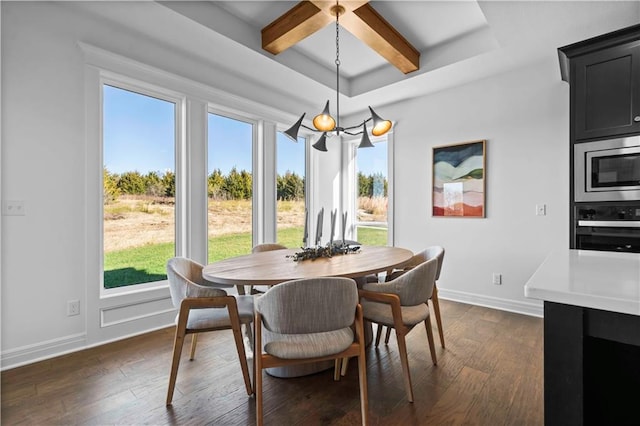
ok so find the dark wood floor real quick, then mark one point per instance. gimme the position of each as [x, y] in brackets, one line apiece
[489, 374]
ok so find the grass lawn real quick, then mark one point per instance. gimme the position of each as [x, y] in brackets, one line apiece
[148, 263]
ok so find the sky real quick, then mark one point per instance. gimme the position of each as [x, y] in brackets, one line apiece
[138, 134]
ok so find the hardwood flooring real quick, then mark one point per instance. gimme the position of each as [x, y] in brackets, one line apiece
[489, 374]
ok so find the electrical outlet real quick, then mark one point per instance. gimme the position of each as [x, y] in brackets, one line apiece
[73, 308]
[497, 278]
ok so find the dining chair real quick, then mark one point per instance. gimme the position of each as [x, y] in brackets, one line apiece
[204, 308]
[402, 304]
[426, 254]
[264, 247]
[309, 320]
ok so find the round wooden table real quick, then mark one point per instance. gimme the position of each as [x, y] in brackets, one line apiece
[274, 267]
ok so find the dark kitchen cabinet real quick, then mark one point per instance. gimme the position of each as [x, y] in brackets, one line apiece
[604, 74]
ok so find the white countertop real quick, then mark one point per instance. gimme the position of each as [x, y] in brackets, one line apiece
[594, 279]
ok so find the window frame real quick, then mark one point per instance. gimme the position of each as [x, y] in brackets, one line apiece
[142, 308]
[257, 168]
[145, 89]
[307, 165]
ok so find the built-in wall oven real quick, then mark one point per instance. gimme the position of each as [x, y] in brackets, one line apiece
[607, 170]
[608, 227]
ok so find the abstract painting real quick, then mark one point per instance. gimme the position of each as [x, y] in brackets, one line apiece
[459, 179]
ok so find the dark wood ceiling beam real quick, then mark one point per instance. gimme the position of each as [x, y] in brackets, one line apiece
[369, 26]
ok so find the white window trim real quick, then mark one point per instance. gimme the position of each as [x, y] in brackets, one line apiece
[259, 202]
[181, 196]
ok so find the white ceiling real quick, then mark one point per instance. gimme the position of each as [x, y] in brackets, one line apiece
[430, 26]
[459, 41]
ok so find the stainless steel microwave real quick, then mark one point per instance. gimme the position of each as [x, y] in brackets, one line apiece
[607, 170]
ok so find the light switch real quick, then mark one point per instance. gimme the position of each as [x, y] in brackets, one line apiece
[13, 208]
[541, 209]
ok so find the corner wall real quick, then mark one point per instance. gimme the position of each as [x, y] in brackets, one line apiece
[524, 116]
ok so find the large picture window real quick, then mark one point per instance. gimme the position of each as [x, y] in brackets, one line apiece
[139, 188]
[372, 187]
[230, 187]
[290, 190]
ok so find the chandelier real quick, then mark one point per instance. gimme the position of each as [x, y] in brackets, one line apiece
[324, 123]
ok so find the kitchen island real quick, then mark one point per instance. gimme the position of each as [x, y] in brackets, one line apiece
[591, 336]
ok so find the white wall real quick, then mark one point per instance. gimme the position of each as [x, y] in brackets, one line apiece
[524, 116]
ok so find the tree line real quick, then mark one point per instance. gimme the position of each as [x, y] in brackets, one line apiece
[235, 185]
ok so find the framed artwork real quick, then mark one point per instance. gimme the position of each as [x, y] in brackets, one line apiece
[459, 179]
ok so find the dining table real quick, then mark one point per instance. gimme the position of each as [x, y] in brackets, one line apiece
[274, 267]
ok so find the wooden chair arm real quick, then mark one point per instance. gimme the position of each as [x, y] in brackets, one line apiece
[209, 302]
[390, 299]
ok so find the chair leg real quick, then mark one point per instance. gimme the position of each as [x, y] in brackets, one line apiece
[257, 360]
[436, 312]
[177, 351]
[386, 336]
[432, 346]
[194, 342]
[240, 289]
[337, 367]
[345, 365]
[362, 380]
[404, 360]
[237, 335]
[378, 334]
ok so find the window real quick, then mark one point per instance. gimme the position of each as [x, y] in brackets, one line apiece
[372, 186]
[290, 190]
[230, 187]
[139, 139]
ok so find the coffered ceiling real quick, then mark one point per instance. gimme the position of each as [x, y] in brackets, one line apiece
[443, 32]
[459, 41]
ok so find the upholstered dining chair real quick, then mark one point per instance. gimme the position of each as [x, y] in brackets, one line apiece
[264, 247]
[426, 254]
[402, 304]
[309, 320]
[204, 308]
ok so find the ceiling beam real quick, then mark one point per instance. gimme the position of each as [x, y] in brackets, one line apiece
[358, 17]
[299, 22]
[369, 26]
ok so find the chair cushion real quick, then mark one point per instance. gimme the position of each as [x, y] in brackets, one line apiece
[301, 346]
[381, 313]
[219, 317]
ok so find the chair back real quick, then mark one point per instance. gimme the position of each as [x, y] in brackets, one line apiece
[437, 252]
[311, 305]
[267, 247]
[185, 280]
[416, 285]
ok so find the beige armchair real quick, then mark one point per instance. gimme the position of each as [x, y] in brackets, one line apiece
[426, 254]
[402, 304]
[204, 308]
[309, 320]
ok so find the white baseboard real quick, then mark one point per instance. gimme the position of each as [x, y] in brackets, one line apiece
[519, 307]
[44, 350]
[57, 347]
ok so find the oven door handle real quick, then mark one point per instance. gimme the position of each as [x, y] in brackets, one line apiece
[610, 223]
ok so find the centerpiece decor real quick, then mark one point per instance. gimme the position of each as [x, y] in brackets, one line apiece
[329, 250]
